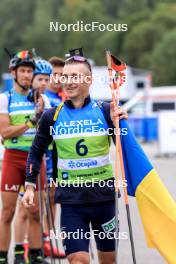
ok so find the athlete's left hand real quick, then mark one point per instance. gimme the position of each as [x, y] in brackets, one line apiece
[117, 112]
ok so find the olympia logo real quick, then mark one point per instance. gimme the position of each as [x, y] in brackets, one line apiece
[81, 164]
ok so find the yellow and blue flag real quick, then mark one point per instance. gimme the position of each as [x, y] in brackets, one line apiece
[156, 206]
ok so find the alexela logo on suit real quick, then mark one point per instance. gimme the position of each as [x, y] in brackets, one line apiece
[75, 123]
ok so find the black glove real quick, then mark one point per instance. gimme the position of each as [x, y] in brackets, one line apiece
[33, 121]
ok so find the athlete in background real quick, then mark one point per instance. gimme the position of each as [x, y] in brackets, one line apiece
[55, 95]
[40, 82]
[19, 115]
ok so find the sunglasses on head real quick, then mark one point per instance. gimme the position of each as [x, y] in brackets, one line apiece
[76, 58]
[79, 58]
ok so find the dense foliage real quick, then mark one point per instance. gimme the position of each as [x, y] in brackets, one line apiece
[148, 43]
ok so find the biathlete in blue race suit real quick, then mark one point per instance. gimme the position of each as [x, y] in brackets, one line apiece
[80, 132]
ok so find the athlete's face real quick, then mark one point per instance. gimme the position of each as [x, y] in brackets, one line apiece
[55, 84]
[24, 75]
[76, 80]
[40, 82]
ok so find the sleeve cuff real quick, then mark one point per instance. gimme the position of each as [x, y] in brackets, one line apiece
[30, 184]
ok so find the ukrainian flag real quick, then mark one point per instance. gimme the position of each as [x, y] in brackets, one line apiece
[156, 206]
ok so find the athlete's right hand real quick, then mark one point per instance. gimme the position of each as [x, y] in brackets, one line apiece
[28, 198]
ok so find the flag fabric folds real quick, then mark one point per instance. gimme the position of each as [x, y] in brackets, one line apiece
[156, 206]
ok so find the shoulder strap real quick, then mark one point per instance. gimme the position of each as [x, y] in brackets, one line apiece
[101, 106]
[56, 114]
[9, 98]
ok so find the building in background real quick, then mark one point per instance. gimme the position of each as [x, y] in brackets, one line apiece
[136, 80]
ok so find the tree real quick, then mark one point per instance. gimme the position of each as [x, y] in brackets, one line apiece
[26, 25]
[38, 33]
[145, 34]
[87, 13]
[163, 61]
[14, 16]
[140, 42]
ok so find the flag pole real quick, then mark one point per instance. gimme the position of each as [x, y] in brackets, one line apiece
[108, 57]
[127, 203]
[40, 196]
[117, 84]
[115, 89]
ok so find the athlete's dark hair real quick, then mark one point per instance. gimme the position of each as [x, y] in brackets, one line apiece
[56, 61]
